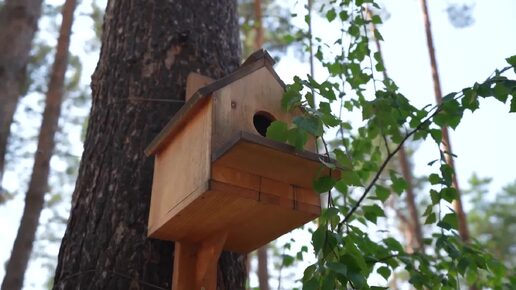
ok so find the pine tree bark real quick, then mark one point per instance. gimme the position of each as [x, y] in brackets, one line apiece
[463, 226]
[148, 49]
[38, 185]
[18, 24]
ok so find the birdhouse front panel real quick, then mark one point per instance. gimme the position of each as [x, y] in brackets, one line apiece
[249, 104]
[182, 166]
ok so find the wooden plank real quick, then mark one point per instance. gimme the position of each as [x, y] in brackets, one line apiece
[268, 158]
[238, 102]
[235, 177]
[185, 256]
[194, 82]
[307, 200]
[207, 258]
[251, 221]
[181, 167]
[276, 192]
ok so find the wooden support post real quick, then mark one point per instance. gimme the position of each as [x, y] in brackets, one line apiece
[195, 265]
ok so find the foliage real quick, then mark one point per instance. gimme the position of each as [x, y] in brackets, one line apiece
[349, 256]
[275, 22]
[493, 220]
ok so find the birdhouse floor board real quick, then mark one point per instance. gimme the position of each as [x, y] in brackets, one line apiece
[236, 209]
[261, 156]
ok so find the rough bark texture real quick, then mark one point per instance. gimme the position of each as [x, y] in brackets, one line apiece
[38, 185]
[18, 24]
[148, 49]
[463, 226]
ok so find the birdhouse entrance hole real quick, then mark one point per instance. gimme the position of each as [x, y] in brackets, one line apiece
[262, 120]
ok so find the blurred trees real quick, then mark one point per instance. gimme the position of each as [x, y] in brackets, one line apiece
[38, 185]
[18, 24]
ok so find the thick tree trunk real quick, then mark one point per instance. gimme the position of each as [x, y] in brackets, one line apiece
[416, 240]
[18, 24]
[148, 49]
[38, 185]
[463, 226]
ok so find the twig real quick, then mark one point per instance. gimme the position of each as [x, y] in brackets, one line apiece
[384, 164]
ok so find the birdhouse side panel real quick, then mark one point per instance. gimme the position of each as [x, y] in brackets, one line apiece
[237, 107]
[181, 167]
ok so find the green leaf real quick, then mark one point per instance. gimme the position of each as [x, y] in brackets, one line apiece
[341, 186]
[372, 212]
[449, 221]
[431, 218]
[318, 238]
[382, 193]
[331, 15]
[337, 267]
[512, 61]
[343, 15]
[435, 196]
[350, 178]
[463, 264]
[501, 92]
[449, 194]
[447, 173]
[434, 179]
[398, 183]
[312, 284]
[309, 124]
[277, 131]
[513, 104]
[437, 135]
[343, 159]
[384, 271]
[359, 281]
[297, 138]
[470, 99]
[376, 19]
[393, 244]
[323, 184]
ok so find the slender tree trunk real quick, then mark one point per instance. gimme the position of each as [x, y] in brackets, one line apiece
[463, 226]
[148, 49]
[18, 24]
[259, 37]
[38, 184]
[261, 253]
[414, 223]
[263, 271]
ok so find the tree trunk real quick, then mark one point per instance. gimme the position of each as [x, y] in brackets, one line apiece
[463, 226]
[258, 25]
[263, 273]
[414, 224]
[18, 24]
[263, 270]
[38, 185]
[148, 49]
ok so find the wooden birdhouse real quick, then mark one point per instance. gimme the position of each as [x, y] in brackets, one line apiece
[218, 181]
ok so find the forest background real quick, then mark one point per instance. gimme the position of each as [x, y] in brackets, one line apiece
[484, 142]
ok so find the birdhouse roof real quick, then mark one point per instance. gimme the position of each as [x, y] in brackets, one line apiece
[254, 62]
